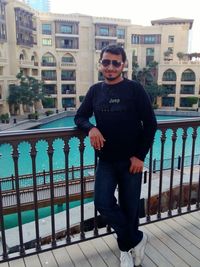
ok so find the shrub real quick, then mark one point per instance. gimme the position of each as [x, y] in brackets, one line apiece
[49, 112]
[33, 116]
[5, 118]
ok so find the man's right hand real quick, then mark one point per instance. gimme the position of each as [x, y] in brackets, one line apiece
[96, 138]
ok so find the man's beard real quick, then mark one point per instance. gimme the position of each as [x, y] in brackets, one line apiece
[113, 78]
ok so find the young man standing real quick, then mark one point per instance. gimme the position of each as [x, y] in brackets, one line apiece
[124, 132]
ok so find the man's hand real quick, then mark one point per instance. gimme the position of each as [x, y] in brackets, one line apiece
[96, 138]
[136, 165]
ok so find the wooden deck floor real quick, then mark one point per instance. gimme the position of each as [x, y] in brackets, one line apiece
[173, 242]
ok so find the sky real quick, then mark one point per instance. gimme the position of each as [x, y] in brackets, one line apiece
[140, 12]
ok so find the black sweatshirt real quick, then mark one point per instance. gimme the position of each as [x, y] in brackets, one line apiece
[124, 116]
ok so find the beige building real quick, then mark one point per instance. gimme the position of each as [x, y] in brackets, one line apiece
[63, 50]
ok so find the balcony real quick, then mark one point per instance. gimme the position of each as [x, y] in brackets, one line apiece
[68, 64]
[26, 64]
[170, 190]
[48, 64]
[3, 61]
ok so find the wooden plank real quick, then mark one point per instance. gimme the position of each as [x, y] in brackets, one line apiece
[156, 257]
[189, 223]
[170, 242]
[62, 257]
[147, 262]
[77, 256]
[92, 255]
[17, 263]
[4, 264]
[32, 261]
[191, 238]
[111, 242]
[107, 255]
[186, 253]
[193, 218]
[158, 242]
[47, 259]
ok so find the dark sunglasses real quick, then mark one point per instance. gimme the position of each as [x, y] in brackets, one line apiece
[107, 62]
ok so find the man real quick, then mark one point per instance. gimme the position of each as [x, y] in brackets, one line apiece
[124, 132]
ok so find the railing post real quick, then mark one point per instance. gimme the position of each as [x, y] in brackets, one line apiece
[145, 177]
[72, 172]
[44, 175]
[154, 166]
[12, 180]
[179, 163]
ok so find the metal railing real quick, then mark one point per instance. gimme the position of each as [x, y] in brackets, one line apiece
[165, 193]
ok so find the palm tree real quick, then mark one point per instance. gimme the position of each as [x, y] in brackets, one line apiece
[144, 76]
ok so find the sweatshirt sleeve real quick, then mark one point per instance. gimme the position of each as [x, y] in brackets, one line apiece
[84, 112]
[148, 121]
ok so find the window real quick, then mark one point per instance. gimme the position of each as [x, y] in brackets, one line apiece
[68, 75]
[68, 89]
[48, 58]
[188, 75]
[171, 50]
[149, 55]
[68, 102]
[169, 75]
[170, 39]
[121, 33]
[187, 89]
[150, 52]
[103, 44]
[66, 28]
[104, 31]
[47, 42]
[67, 59]
[169, 88]
[146, 39]
[149, 39]
[135, 39]
[185, 102]
[49, 75]
[46, 29]
[168, 101]
[66, 43]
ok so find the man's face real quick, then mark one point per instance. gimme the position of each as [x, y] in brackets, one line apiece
[111, 67]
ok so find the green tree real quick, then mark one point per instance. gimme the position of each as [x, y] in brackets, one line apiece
[192, 100]
[143, 76]
[28, 91]
[154, 90]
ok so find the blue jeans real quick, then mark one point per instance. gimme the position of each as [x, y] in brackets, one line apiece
[122, 217]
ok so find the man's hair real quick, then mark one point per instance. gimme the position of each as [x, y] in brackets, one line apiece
[114, 49]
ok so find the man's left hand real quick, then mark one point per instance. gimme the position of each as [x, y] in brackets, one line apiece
[136, 165]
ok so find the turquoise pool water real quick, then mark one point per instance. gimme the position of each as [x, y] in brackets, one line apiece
[7, 167]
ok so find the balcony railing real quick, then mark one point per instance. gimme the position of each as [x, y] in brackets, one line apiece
[166, 191]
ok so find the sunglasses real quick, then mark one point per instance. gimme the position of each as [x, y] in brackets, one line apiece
[107, 62]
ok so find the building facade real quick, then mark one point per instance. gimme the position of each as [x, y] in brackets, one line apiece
[63, 51]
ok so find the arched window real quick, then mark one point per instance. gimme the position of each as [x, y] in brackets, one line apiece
[67, 58]
[48, 60]
[169, 75]
[188, 75]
